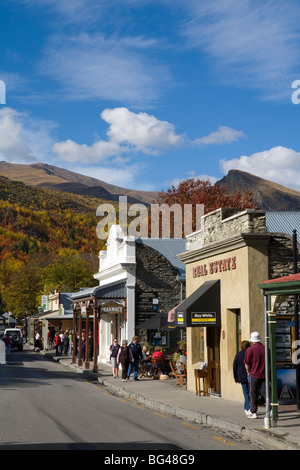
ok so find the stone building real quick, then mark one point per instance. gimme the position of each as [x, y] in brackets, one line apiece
[138, 279]
[225, 261]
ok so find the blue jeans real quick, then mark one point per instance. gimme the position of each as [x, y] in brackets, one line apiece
[245, 387]
[133, 365]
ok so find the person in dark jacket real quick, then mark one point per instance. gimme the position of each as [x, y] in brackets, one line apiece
[135, 351]
[240, 374]
[123, 358]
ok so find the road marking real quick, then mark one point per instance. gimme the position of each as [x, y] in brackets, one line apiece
[162, 416]
[190, 426]
[223, 440]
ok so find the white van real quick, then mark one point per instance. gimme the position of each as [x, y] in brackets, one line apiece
[16, 338]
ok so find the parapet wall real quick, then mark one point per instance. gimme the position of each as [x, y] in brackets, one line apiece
[223, 224]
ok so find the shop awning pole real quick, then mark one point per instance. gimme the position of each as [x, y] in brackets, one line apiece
[274, 394]
[267, 420]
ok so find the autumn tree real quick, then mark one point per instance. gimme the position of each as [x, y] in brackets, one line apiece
[195, 191]
[70, 271]
[24, 289]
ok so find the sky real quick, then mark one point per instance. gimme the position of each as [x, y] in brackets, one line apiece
[143, 94]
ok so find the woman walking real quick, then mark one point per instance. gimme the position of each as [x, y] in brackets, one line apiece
[123, 358]
[114, 349]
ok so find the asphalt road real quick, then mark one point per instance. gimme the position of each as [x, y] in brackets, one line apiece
[45, 407]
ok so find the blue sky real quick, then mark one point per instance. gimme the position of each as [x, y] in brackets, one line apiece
[145, 93]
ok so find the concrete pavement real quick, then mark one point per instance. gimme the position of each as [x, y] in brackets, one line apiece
[165, 397]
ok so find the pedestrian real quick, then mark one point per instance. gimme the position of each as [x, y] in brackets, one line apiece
[70, 342]
[66, 342]
[123, 358]
[7, 343]
[57, 342]
[51, 338]
[61, 335]
[37, 341]
[114, 349]
[240, 374]
[255, 366]
[83, 345]
[91, 346]
[135, 356]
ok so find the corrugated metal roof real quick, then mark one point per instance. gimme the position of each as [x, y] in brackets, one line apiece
[283, 222]
[65, 298]
[111, 291]
[169, 248]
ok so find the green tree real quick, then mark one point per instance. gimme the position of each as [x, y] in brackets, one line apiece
[24, 290]
[70, 271]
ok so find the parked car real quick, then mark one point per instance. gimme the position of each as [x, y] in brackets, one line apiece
[16, 337]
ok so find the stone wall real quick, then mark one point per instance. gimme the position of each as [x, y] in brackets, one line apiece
[156, 278]
[280, 253]
[223, 224]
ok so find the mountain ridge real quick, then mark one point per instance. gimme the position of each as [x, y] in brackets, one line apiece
[267, 195]
[55, 178]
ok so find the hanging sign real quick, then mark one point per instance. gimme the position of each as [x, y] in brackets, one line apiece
[112, 306]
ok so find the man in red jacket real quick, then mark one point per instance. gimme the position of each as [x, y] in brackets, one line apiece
[255, 366]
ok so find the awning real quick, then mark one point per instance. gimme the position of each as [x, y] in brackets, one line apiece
[69, 316]
[202, 307]
[156, 322]
[172, 313]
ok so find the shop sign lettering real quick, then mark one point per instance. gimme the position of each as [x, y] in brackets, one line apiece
[225, 264]
[112, 306]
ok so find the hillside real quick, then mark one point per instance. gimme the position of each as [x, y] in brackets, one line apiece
[35, 220]
[267, 195]
[55, 178]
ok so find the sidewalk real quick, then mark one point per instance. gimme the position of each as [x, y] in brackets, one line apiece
[165, 397]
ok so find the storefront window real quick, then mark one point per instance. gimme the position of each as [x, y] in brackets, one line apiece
[158, 338]
[283, 306]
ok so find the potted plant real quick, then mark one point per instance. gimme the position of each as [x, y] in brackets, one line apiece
[176, 356]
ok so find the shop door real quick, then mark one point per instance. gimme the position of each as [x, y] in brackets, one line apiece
[116, 327]
[213, 356]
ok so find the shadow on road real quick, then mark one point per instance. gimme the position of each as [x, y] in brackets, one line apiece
[24, 369]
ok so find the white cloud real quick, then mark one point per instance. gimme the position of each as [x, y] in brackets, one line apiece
[251, 44]
[278, 164]
[90, 67]
[73, 152]
[141, 130]
[128, 132]
[125, 177]
[24, 139]
[224, 135]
